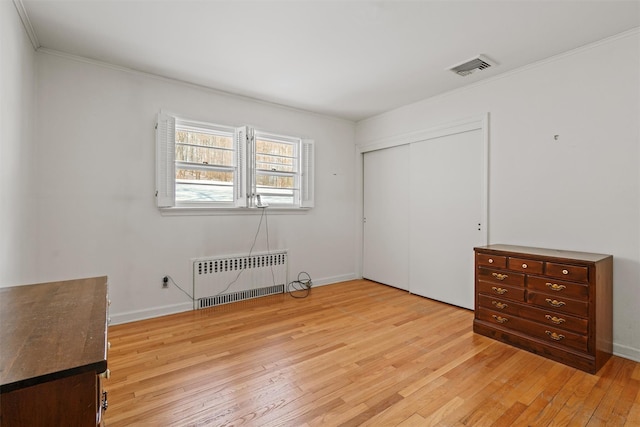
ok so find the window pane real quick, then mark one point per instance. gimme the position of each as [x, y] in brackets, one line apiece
[273, 163]
[275, 196]
[272, 147]
[194, 185]
[204, 139]
[274, 181]
[204, 176]
[275, 156]
[204, 155]
[203, 193]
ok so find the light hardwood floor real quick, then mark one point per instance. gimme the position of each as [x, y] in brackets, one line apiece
[354, 353]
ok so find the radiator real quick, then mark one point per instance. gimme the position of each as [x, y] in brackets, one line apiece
[226, 279]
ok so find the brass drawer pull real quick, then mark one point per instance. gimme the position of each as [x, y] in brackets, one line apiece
[500, 291]
[500, 305]
[554, 319]
[499, 276]
[500, 319]
[554, 336]
[555, 302]
[555, 287]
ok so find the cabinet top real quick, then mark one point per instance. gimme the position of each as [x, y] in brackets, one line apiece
[544, 252]
[52, 330]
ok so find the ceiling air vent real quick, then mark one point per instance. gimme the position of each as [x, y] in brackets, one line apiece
[480, 62]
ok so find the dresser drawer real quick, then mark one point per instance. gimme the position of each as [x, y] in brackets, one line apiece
[488, 260]
[545, 317]
[558, 288]
[558, 336]
[501, 277]
[574, 273]
[501, 290]
[525, 265]
[502, 319]
[557, 320]
[543, 332]
[559, 304]
[497, 303]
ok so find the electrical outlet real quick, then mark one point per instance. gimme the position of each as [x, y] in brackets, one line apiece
[165, 282]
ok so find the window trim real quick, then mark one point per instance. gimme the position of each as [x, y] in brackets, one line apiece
[244, 170]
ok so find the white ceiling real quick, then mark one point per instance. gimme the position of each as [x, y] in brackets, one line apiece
[350, 59]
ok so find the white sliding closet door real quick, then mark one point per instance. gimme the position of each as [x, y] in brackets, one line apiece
[386, 229]
[445, 210]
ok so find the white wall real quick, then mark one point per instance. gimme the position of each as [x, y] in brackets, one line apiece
[97, 213]
[580, 192]
[17, 154]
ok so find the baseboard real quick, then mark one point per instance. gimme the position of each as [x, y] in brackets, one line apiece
[330, 280]
[626, 352]
[149, 313]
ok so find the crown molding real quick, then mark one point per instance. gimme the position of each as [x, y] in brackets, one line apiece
[26, 23]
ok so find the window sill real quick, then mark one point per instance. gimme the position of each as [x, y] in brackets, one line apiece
[194, 211]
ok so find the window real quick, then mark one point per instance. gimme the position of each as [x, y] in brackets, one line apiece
[207, 165]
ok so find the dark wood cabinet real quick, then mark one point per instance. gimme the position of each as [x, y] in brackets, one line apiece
[554, 303]
[53, 353]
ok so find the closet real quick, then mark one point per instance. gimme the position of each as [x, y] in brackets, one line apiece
[424, 210]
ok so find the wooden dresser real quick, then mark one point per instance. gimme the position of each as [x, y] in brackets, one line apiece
[554, 303]
[53, 353]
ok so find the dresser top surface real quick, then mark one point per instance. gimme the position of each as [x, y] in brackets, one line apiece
[544, 252]
[51, 330]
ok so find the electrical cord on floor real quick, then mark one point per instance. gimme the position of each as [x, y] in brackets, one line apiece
[300, 288]
[178, 286]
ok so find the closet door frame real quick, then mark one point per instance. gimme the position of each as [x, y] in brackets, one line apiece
[480, 122]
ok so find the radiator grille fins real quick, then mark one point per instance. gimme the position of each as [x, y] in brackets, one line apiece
[239, 296]
[240, 263]
[227, 279]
